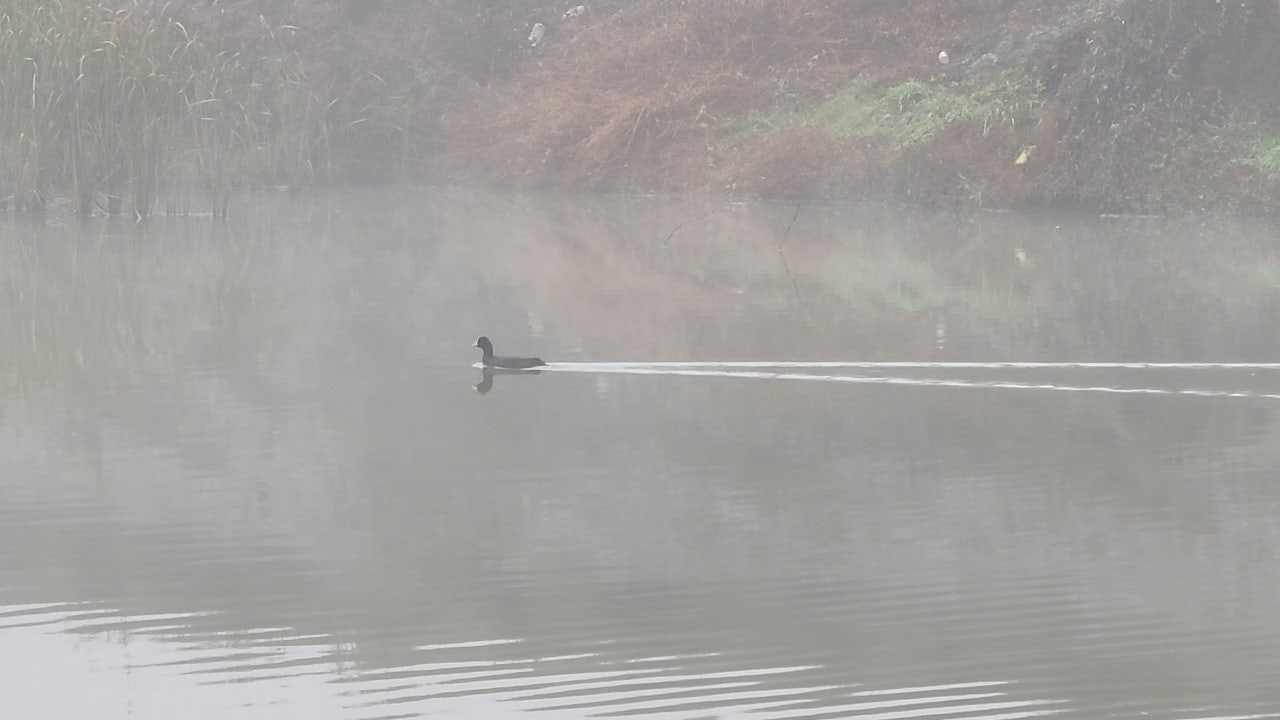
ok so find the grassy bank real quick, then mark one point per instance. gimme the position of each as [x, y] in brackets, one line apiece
[128, 110]
[1117, 106]
[1114, 105]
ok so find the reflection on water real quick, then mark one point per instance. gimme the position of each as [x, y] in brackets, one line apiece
[917, 466]
[487, 374]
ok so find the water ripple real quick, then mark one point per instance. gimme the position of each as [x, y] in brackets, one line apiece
[726, 370]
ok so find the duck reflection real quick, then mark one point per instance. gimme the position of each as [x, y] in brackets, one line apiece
[486, 377]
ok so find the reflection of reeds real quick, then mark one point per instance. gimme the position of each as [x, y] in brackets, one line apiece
[125, 108]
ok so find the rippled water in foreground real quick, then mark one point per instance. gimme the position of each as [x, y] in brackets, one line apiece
[245, 471]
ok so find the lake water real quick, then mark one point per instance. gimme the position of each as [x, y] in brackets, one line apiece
[249, 469]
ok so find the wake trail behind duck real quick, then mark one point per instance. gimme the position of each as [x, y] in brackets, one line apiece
[780, 371]
[870, 365]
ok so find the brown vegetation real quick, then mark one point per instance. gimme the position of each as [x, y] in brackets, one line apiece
[1121, 105]
[651, 98]
[638, 97]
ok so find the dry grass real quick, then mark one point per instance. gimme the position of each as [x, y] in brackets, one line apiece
[128, 109]
[676, 94]
[597, 107]
[742, 94]
[806, 161]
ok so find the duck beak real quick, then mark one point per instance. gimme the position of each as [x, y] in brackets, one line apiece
[475, 344]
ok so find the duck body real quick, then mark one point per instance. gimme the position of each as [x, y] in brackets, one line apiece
[490, 360]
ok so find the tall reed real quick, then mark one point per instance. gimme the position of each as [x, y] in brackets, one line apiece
[122, 109]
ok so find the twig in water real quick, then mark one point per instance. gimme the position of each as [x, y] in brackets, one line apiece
[787, 232]
[787, 268]
[703, 216]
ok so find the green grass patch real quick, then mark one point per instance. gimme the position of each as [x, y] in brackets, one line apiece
[1264, 154]
[1254, 143]
[909, 114]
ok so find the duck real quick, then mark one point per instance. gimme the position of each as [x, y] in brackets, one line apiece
[510, 363]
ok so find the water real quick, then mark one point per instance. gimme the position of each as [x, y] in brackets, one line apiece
[912, 466]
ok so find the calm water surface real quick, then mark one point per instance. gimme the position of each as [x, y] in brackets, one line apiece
[249, 469]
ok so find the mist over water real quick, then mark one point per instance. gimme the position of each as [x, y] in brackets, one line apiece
[912, 466]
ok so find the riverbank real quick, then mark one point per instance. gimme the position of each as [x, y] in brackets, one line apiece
[1116, 106]
[1112, 106]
